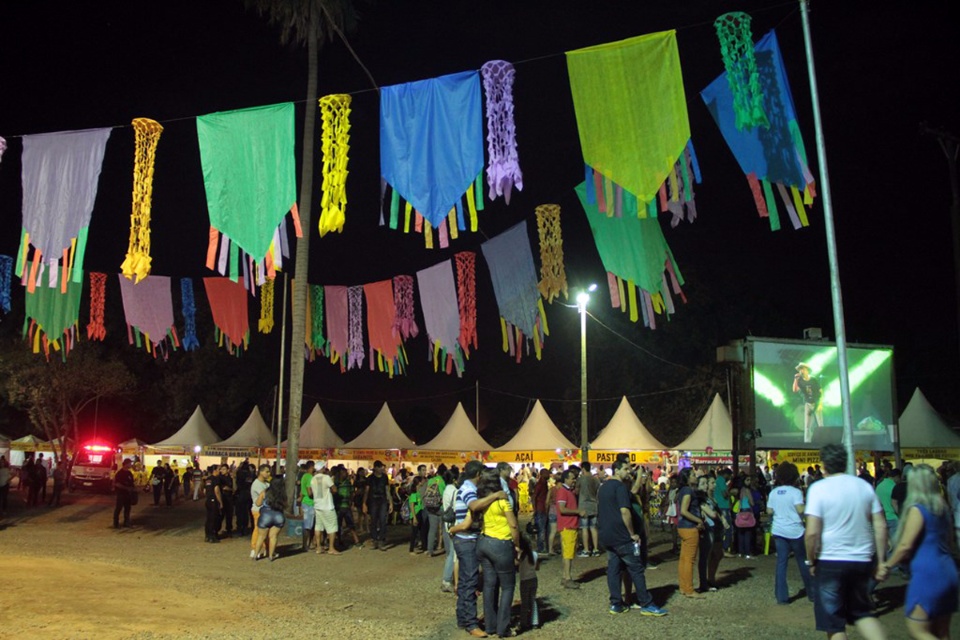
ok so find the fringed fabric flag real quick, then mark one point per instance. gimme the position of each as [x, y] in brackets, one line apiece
[636, 257]
[335, 144]
[514, 276]
[553, 275]
[736, 48]
[6, 274]
[189, 309]
[60, 175]
[634, 132]
[249, 176]
[355, 350]
[228, 303]
[265, 323]
[466, 262]
[52, 318]
[441, 317]
[316, 344]
[503, 165]
[386, 346]
[138, 261]
[431, 154]
[405, 323]
[148, 308]
[338, 324]
[771, 156]
[96, 329]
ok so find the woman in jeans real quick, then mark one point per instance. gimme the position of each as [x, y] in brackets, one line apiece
[785, 504]
[745, 534]
[497, 549]
[449, 497]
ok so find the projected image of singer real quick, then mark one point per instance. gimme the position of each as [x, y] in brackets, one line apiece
[812, 394]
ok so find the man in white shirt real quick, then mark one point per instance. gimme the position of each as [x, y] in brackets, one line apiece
[845, 528]
[257, 489]
[325, 511]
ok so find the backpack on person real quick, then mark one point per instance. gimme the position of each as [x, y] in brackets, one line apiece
[432, 500]
[405, 512]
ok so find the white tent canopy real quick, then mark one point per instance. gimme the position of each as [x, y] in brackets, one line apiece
[383, 433]
[715, 430]
[316, 432]
[27, 443]
[458, 434]
[922, 427]
[625, 432]
[196, 431]
[252, 433]
[537, 433]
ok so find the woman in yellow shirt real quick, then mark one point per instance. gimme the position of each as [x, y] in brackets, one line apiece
[497, 551]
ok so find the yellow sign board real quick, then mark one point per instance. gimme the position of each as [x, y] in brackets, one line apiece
[930, 453]
[595, 456]
[438, 457]
[542, 456]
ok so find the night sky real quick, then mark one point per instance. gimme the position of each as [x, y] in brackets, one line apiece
[883, 68]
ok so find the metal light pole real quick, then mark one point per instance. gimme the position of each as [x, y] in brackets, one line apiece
[582, 299]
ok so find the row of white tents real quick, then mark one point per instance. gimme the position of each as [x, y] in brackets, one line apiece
[920, 427]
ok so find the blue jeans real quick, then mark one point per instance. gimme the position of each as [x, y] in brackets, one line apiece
[745, 540]
[309, 516]
[448, 562]
[541, 522]
[469, 578]
[784, 547]
[378, 520]
[499, 582]
[620, 558]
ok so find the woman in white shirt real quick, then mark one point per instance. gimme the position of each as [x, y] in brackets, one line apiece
[786, 505]
[449, 497]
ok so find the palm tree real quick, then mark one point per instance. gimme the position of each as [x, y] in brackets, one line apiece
[312, 23]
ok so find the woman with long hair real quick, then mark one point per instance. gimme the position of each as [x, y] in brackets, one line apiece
[272, 503]
[720, 525]
[785, 504]
[745, 524]
[925, 536]
[497, 550]
[689, 523]
[710, 515]
[552, 514]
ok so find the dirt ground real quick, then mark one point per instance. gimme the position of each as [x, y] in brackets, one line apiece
[67, 573]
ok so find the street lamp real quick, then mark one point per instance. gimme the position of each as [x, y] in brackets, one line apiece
[582, 299]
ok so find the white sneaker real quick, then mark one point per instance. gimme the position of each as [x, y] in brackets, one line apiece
[253, 554]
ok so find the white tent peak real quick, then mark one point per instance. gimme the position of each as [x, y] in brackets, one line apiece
[252, 433]
[196, 431]
[537, 433]
[625, 432]
[316, 432]
[383, 433]
[458, 434]
[714, 431]
[921, 426]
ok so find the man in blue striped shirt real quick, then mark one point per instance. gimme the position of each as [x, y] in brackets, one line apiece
[465, 545]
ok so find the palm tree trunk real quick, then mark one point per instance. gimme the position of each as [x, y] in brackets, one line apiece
[302, 263]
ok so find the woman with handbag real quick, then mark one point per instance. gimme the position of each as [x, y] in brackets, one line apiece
[745, 520]
[689, 524]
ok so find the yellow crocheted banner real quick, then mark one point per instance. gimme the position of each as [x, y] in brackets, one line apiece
[137, 262]
[265, 324]
[553, 275]
[335, 141]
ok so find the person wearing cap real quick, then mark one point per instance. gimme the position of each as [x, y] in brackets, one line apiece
[812, 393]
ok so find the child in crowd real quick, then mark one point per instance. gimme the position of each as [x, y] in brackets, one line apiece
[528, 563]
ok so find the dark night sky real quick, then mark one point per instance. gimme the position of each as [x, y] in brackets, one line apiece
[882, 70]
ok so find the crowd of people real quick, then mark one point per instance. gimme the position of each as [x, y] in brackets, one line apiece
[846, 533]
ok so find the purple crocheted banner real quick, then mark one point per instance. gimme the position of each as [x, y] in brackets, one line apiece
[503, 169]
[355, 351]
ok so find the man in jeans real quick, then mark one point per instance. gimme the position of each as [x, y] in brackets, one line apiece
[721, 495]
[540, 491]
[845, 530]
[587, 487]
[616, 533]
[465, 545]
[377, 503]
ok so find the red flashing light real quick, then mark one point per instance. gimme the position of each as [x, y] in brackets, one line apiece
[97, 447]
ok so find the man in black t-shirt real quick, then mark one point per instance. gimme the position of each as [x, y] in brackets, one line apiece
[377, 503]
[226, 499]
[241, 498]
[213, 502]
[124, 487]
[810, 390]
[617, 535]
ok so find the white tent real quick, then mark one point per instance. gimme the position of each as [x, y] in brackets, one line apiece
[27, 443]
[458, 434]
[195, 432]
[316, 432]
[537, 433]
[922, 427]
[252, 434]
[625, 432]
[5, 446]
[383, 433]
[715, 430]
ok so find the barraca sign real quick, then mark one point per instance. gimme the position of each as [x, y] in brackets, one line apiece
[543, 456]
[931, 453]
[446, 457]
[636, 457]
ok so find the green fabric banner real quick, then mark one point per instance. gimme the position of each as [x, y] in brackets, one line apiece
[53, 311]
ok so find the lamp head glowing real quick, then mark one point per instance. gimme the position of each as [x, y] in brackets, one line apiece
[592, 287]
[583, 298]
